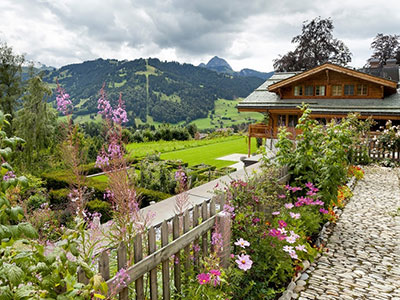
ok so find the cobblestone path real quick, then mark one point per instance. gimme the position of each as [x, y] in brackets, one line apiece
[363, 260]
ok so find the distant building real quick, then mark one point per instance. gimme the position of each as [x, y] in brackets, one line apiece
[331, 91]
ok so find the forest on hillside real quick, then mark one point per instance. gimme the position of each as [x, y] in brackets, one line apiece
[167, 91]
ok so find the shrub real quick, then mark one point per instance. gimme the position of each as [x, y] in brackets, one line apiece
[102, 207]
[59, 198]
[35, 201]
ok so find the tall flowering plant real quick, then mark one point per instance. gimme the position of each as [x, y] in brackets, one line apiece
[127, 218]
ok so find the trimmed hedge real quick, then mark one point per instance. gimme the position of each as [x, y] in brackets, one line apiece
[102, 207]
[59, 197]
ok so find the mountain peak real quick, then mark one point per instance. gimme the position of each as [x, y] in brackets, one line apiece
[218, 63]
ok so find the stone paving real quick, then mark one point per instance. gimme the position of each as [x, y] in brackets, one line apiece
[363, 253]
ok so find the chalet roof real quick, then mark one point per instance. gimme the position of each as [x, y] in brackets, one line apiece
[328, 66]
[262, 99]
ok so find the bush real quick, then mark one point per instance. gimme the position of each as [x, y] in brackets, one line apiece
[102, 207]
[35, 201]
[59, 198]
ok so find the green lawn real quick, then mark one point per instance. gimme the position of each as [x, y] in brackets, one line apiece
[207, 154]
[226, 115]
[143, 149]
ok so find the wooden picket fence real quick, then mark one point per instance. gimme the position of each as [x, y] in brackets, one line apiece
[177, 236]
[375, 151]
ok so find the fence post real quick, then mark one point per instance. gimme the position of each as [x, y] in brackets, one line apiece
[204, 216]
[186, 228]
[138, 252]
[165, 264]
[104, 265]
[153, 273]
[224, 223]
[121, 262]
[82, 276]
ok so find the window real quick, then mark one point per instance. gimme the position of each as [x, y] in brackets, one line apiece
[298, 90]
[349, 89]
[281, 120]
[362, 89]
[309, 91]
[293, 120]
[336, 90]
[320, 90]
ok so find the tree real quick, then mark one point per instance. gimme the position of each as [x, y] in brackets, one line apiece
[10, 79]
[316, 46]
[35, 123]
[385, 47]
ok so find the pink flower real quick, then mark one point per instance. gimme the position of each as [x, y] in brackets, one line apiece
[62, 99]
[9, 175]
[103, 105]
[291, 239]
[309, 185]
[196, 248]
[275, 213]
[119, 114]
[301, 248]
[293, 255]
[122, 278]
[216, 239]
[288, 249]
[295, 215]
[282, 196]
[215, 274]
[256, 220]
[289, 205]
[203, 278]
[242, 243]
[323, 210]
[244, 262]
[282, 223]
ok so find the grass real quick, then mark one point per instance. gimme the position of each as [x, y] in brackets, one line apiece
[208, 154]
[226, 115]
[143, 149]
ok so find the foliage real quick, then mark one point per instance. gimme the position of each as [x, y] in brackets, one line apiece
[36, 124]
[320, 155]
[316, 46]
[10, 80]
[101, 207]
[197, 88]
[385, 47]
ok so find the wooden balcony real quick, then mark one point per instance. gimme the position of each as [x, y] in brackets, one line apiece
[267, 132]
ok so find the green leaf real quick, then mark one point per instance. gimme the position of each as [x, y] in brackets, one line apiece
[5, 153]
[23, 181]
[25, 291]
[4, 232]
[13, 273]
[74, 249]
[7, 166]
[28, 230]
[16, 213]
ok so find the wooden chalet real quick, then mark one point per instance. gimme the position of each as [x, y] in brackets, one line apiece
[331, 91]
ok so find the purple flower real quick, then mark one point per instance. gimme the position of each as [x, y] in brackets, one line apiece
[196, 248]
[203, 278]
[119, 115]
[122, 278]
[282, 196]
[293, 255]
[242, 243]
[216, 239]
[244, 262]
[323, 210]
[62, 99]
[103, 105]
[289, 205]
[102, 161]
[9, 175]
[256, 220]
[275, 213]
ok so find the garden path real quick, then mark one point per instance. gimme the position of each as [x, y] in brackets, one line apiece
[362, 260]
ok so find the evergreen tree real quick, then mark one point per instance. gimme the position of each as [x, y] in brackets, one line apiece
[35, 123]
[10, 80]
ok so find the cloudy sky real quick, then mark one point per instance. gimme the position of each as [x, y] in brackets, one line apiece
[246, 33]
